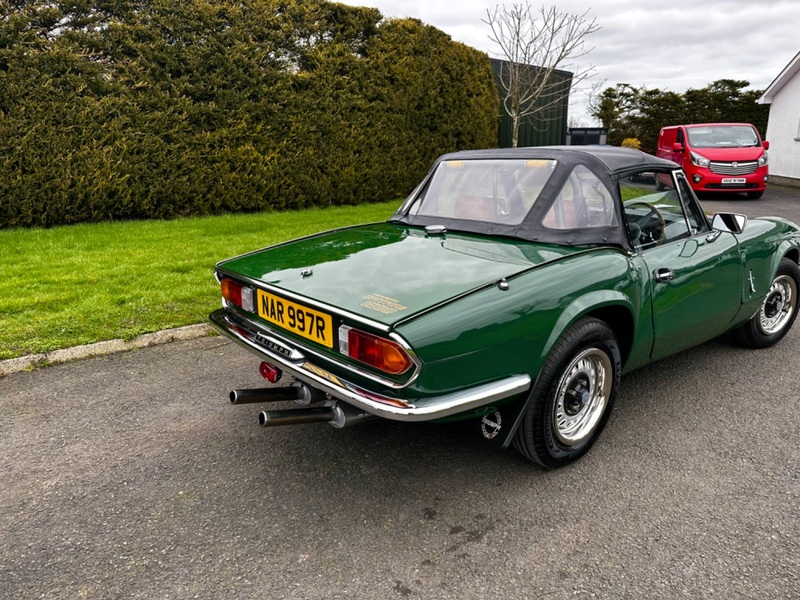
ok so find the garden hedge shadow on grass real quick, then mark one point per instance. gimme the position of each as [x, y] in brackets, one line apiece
[125, 109]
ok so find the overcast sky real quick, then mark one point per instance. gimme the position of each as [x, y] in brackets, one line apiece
[667, 44]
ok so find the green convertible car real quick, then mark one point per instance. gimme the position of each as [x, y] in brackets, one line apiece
[512, 287]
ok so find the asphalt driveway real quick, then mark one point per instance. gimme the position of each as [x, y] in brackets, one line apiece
[777, 200]
[130, 476]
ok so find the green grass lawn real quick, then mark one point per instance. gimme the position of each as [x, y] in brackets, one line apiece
[80, 284]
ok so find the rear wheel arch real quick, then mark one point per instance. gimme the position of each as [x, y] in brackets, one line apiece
[610, 306]
[620, 319]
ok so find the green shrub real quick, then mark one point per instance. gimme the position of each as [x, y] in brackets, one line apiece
[127, 109]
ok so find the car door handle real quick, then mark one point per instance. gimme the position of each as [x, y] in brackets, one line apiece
[663, 275]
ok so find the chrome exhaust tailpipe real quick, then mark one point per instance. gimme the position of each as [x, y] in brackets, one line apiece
[297, 391]
[347, 414]
[296, 416]
[338, 415]
[264, 395]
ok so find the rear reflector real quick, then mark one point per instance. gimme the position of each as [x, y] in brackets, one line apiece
[378, 352]
[269, 372]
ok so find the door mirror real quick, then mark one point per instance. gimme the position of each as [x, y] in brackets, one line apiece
[766, 145]
[730, 222]
[677, 147]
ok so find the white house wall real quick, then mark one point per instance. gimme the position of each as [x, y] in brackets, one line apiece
[783, 131]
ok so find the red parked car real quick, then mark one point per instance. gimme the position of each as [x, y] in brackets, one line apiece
[718, 157]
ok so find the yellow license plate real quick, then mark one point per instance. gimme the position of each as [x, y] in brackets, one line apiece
[309, 323]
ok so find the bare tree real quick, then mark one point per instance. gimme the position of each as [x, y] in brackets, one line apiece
[536, 44]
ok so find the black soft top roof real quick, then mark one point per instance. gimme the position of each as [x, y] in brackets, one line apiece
[613, 158]
[607, 162]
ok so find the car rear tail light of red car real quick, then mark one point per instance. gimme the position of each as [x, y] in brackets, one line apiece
[238, 294]
[378, 352]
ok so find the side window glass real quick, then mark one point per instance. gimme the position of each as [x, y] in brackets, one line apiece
[680, 136]
[583, 202]
[654, 213]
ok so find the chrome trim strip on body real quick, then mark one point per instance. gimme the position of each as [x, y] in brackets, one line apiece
[387, 407]
[303, 299]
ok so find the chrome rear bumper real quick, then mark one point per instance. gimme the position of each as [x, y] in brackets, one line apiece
[262, 342]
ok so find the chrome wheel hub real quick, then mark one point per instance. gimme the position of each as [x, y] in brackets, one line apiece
[582, 395]
[778, 307]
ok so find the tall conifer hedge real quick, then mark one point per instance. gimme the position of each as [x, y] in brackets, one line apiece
[129, 109]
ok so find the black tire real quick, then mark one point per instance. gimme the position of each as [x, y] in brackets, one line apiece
[755, 195]
[777, 313]
[565, 416]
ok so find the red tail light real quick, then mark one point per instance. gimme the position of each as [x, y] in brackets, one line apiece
[378, 352]
[236, 293]
[231, 291]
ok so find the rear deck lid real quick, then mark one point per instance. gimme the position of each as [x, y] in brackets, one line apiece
[388, 272]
